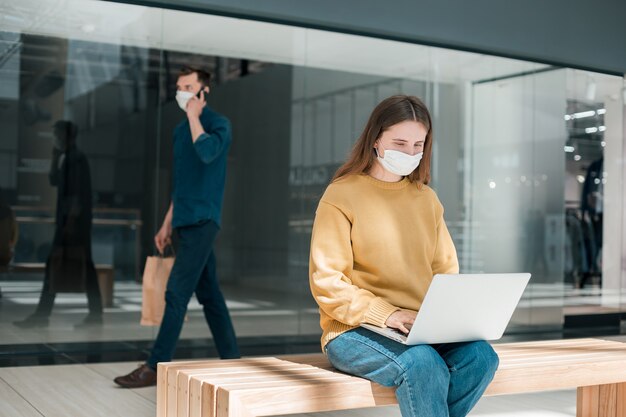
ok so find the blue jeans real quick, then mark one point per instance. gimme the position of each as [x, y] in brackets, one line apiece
[444, 380]
[194, 270]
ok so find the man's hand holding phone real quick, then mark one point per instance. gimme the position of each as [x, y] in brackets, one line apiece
[196, 105]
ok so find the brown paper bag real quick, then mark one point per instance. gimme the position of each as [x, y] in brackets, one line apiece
[155, 276]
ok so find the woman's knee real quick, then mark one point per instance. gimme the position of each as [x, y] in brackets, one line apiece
[423, 362]
[485, 357]
[358, 355]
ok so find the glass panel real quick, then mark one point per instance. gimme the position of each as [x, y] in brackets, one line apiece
[509, 166]
[594, 186]
[90, 64]
[517, 175]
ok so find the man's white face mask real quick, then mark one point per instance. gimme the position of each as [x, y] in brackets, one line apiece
[182, 98]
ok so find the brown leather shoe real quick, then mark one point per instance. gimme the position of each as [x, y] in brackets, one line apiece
[144, 376]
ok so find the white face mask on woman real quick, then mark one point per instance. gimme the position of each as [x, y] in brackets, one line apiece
[399, 163]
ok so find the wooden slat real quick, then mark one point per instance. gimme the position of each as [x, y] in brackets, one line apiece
[580, 400]
[607, 400]
[298, 398]
[549, 343]
[554, 342]
[537, 350]
[515, 381]
[184, 376]
[506, 349]
[571, 361]
[209, 388]
[167, 373]
[231, 407]
[563, 350]
[556, 360]
[594, 401]
[189, 384]
[236, 366]
[621, 399]
[161, 391]
[587, 402]
[565, 345]
[308, 358]
[564, 353]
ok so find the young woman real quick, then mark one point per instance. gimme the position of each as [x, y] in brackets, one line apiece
[378, 239]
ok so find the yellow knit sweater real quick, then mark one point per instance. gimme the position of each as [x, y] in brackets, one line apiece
[375, 248]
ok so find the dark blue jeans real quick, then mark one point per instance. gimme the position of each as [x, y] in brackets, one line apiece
[194, 271]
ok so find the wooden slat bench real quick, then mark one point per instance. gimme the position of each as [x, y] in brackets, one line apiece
[308, 383]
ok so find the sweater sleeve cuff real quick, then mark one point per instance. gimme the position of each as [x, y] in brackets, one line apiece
[379, 312]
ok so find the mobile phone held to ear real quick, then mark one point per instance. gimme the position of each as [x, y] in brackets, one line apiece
[199, 94]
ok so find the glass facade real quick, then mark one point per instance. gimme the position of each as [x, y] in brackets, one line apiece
[527, 163]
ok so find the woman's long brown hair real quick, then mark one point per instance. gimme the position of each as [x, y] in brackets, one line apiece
[391, 111]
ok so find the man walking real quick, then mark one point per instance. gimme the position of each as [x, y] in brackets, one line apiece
[201, 144]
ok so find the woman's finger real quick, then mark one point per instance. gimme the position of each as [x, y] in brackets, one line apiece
[403, 329]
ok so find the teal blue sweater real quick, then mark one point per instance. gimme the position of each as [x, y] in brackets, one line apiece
[200, 170]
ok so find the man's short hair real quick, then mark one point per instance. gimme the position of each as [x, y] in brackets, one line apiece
[204, 77]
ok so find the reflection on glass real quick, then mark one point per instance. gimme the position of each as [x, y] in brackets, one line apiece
[593, 186]
[69, 267]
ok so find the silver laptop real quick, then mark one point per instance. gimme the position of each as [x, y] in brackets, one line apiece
[462, 308]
